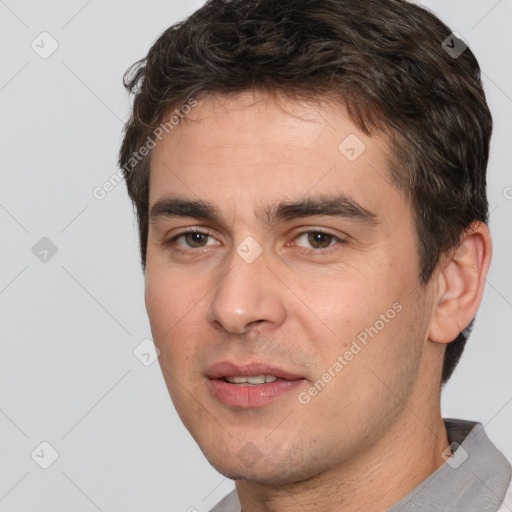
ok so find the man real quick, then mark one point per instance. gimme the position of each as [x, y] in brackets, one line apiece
[309, 180]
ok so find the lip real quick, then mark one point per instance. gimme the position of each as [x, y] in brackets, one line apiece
[250, 396]
[229, 369]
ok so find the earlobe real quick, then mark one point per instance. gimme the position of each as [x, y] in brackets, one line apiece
[461, 283]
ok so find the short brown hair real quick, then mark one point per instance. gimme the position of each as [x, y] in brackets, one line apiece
[385, 60]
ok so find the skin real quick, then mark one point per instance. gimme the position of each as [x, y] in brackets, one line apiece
[375, 431]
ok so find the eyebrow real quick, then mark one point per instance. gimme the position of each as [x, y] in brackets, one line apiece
[333, 206]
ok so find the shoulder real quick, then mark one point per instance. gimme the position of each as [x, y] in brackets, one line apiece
[229, 503]
[506, 506]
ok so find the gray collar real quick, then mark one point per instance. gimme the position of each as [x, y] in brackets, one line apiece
[474, 479]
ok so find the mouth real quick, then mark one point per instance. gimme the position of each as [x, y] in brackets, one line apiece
[251, 381]
[250, 385]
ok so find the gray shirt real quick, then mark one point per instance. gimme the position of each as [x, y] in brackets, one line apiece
[474, 479]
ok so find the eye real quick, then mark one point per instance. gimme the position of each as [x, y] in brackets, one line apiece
[317, 239]
[193, 240]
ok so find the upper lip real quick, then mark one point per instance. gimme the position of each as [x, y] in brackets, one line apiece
[228, 369]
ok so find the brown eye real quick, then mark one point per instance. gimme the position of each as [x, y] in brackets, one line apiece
[316, 240]
[319, 240]
[195, 240]
[192, 240]
[187, 241]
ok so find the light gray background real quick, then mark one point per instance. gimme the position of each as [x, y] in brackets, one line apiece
[69, 325]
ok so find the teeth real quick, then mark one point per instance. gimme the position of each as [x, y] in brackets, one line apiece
[255, 379]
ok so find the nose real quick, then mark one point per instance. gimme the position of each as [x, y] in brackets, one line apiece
[249, 294]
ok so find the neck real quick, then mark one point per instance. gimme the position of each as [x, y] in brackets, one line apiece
[374, 480]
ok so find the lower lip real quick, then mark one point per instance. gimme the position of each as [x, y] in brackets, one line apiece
[250, 396]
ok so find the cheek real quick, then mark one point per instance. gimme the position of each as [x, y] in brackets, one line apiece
[370, 320]
[170, 310]
[160, 303]
[345, 304]
[173, 320]
[343, 309]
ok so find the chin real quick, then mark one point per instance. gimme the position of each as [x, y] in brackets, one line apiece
[268, 471]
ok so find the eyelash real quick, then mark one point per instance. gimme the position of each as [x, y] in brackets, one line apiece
[171, 242]
[176, 248]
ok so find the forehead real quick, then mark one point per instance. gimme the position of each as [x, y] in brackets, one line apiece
[252, 149]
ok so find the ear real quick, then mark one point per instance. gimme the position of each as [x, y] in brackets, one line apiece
[461, 280]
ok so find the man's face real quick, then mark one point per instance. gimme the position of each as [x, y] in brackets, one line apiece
[285, 254]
